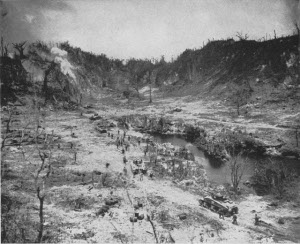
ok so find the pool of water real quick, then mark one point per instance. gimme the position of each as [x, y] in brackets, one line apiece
[216, 174]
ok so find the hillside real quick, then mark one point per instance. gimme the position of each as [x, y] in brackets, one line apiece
[267, 69]
[221, 65]
[56, 72]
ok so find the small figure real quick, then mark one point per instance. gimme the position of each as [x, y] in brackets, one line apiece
[79, 202]
[139, 142]
[221, 214]
[123, 151]
[234, 219]
[125, 171]
[112, 136]
[124, 159]
[118, 132]
[201, 237]
[151, 175]
[256, 220]
[141, 175]
[128, 138]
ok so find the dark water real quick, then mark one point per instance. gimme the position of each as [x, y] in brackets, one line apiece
[217, 174]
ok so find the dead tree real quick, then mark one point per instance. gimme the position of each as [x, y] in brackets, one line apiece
[237, 166]
[241, 36]
[40, 188]
[51, 66]
[45, 153]
[136, 83]
[240, 97]
[41, 198]
[296, 135]
[20, 47]
[151, 77]
[4, 48]
[150, 83]
[7, 134]
[297, 29]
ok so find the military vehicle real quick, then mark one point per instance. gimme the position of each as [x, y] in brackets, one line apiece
[226, 207]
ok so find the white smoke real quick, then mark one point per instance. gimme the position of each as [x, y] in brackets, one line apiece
[58, 52]
[61, 58]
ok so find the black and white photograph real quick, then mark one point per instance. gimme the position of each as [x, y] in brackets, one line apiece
[150, 121]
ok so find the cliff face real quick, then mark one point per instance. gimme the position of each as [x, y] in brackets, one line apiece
[222, 66]
[266, 69]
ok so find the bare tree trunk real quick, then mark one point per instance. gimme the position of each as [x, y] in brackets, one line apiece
[2, 47]
[45, 83]
[154, 230]
[296, 132]
[41, 214]
[150, 92]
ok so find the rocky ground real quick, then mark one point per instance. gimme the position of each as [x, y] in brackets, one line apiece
[81, 182]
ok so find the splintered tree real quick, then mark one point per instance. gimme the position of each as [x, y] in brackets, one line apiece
[4, 48]
[150, 84]
[50, 67]
[151, 80]
[237, 166]
[237, 161]
[296, 128]
[241, 36]
[43, 171]
[20, 47]
[240, 97]
[297, 29]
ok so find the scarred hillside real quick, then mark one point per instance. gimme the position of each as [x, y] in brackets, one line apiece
[267, 69]
[56, 73]
[221, 64]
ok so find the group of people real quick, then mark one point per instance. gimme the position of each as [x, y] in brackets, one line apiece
[121, 141]
[222, 214]
[138, 168]
[234, 218]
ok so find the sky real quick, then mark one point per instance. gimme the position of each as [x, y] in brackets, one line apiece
[144, 28]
